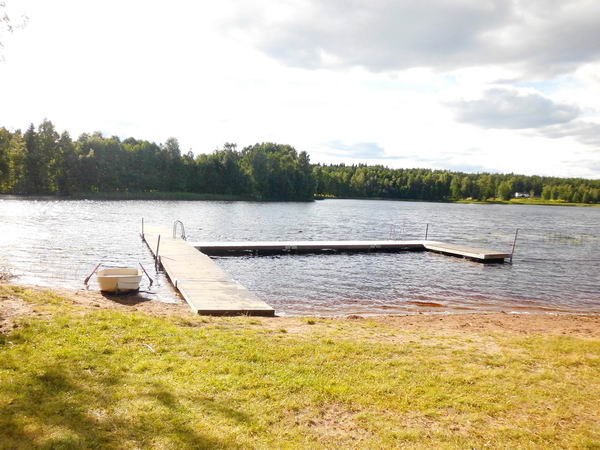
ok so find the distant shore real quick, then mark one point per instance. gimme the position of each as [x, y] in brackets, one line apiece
[514, 201]
[526, 201]
[192, 196]
[131, 196]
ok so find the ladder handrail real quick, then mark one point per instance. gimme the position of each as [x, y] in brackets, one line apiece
[183, 236]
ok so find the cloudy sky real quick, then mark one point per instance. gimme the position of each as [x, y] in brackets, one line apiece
[473, 85]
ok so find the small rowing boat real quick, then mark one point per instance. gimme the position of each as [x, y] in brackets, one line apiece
[120, 279]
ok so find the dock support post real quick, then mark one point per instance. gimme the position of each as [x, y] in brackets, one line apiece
[426, 231]
[514, 244]
[156, 257]
[142, 227]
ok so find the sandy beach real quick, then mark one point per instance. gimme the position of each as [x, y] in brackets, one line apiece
[579, 325]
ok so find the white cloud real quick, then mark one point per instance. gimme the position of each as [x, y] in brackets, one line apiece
[535, 37]
[152, 69]
[585, 132]
[509, 108]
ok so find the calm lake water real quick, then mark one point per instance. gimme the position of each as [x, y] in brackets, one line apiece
[556, 265]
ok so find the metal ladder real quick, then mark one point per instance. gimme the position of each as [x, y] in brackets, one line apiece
[183, 236]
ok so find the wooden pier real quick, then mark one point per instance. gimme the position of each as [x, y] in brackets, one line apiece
[280, 247]
[472, 253]
[210, 290]
[205, 286]
[270, 248]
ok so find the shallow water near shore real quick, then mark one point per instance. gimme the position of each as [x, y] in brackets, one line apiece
[556, 265]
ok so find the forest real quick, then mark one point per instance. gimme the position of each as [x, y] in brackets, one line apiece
[442, 185]
[43, 161]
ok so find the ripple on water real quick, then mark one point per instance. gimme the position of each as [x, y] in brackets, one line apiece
[557, 262]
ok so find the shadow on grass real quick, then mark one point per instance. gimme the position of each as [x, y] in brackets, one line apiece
[170, 401]
[127, 299]
[51, 409]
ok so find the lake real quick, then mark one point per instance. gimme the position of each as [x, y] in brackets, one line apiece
[556, 267]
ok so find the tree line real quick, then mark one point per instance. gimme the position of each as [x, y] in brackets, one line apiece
[43, 161]
[342, 180]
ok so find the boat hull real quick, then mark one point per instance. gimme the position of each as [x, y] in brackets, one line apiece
[119, 279]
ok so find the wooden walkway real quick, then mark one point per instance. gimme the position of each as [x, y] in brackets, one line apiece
[473, 253]
[210, 290]
[205, 286]
[233, 248]
[278, 247]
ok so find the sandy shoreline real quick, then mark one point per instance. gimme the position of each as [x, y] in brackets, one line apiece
[580, 325]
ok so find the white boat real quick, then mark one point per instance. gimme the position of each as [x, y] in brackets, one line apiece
[122, 279]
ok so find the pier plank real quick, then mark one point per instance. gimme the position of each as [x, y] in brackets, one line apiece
[476, 254]
[205, 286]
[305, 246]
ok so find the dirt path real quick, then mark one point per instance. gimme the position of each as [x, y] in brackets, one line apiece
[521, 323]
[10, 309]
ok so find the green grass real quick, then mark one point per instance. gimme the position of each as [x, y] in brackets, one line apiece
[496, 201]
[78, 378]
[527, 201]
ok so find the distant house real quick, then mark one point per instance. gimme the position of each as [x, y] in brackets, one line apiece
[521, 195]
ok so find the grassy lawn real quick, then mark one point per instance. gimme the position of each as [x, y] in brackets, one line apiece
[528, 201]
[73, 377]
[491, 201]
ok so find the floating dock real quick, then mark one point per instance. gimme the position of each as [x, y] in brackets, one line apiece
[207, 288]
[472, 253]
[210, 290]
[281, 247]
[270, 248]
